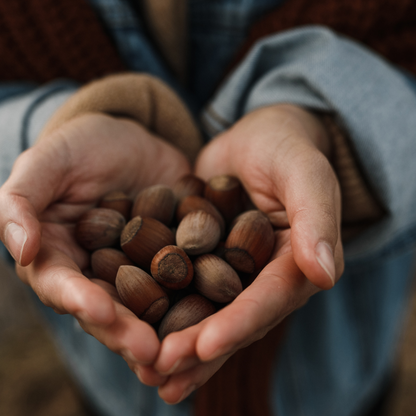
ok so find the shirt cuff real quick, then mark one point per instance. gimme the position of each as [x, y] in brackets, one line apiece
[22, 116]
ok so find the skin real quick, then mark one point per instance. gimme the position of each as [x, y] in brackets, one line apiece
[51, 184]
[280, 153]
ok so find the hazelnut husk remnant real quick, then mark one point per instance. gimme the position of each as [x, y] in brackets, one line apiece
[142, 238]
[189, 311]
[172, 268]
[188, 185]
[226, 193]
[98, 228]
[157, 201]
[250, 242]
[216, 279]
[118, 201]
[198, 233]
[141, 294]
[105, 263]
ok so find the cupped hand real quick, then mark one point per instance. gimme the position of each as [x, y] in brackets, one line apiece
[280, 154]
[50, 185]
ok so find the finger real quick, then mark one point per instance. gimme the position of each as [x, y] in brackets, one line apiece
[214, 159]
[312, 200]
[180, 386]
[276, 292]
[177, 352]
[149, 376]
[133, 339]
[57, 280]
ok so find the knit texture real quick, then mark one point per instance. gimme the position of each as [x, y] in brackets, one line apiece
[46, 39]
[386, 26]
[140, 97]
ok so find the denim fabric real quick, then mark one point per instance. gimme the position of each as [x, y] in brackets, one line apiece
[216, 30]
[109, 385]
[343, 344]
[18, 130]
[127, 31]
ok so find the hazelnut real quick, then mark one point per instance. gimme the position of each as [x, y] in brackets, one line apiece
[98, 228]
[157, 201]
[197, 203]
[188, 185]
[142, 238]
[216, 279]
[198, 233]
[189, 311]
[225, 192]
[105, 263]
[250, 242]
[172, 268]
[141, 294]
[118, 201]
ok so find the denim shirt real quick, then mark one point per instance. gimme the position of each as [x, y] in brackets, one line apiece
[342, 344]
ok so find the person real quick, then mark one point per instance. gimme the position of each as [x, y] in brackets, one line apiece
[318, 127]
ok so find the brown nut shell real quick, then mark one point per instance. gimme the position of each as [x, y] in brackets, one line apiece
[216, 279]
[105, 263]
[142, 238]
[189, 311]
[226, 193]
[140, 293]
[198, 233]
[250, 242]
[172, 268]
[118, 201]
[157, 201]
[197, 203]
[98, 228]
[188, 185]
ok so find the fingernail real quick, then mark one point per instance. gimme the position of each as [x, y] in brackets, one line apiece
[325, 258]
[187, 392]
[15, 238]
[137, 372]
[173, 368]
[128, 356]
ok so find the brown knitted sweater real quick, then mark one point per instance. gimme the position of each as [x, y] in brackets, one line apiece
[41, 40]
[44, 39]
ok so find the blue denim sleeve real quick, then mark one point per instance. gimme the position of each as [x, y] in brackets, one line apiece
[317, 69]
[24, 109]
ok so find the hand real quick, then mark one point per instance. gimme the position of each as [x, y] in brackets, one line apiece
[51, 184]
[280, 155]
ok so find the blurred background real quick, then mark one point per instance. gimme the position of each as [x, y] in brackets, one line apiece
[34, 380]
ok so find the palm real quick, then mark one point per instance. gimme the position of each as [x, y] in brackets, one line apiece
[274, 152]
[202, 349]
[57, 180]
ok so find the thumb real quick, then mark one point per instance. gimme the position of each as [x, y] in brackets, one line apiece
[20, 228]
[22, 197]
[313, 205]
[214, 159]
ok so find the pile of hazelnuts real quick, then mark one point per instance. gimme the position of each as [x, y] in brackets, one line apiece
[177, 254]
